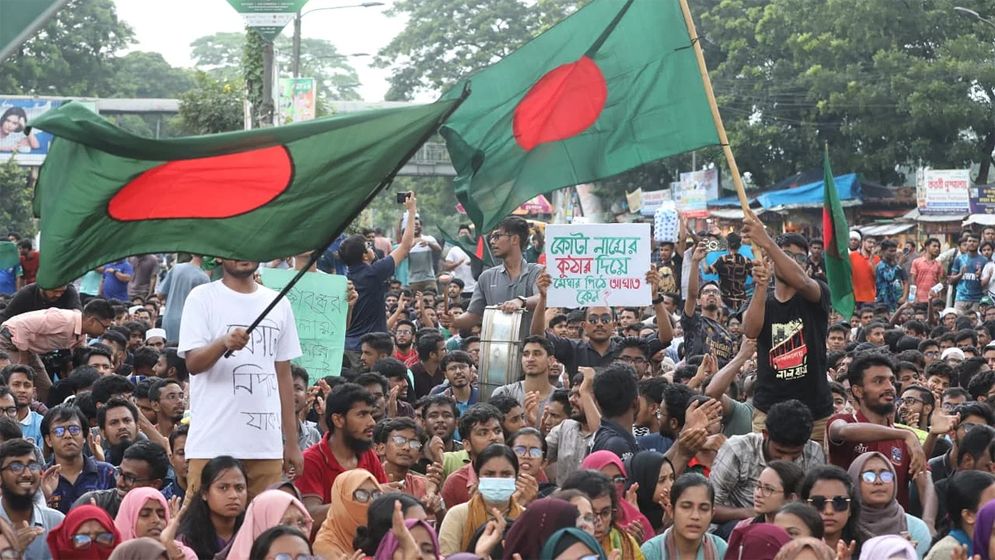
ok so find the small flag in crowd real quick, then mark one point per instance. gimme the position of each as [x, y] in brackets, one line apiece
[835, 232]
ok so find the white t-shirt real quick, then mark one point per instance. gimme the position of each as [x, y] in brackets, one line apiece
[463, 272]
[989, 270]
[420, 260]
[235, 405]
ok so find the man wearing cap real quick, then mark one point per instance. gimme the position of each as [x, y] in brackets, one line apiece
[862, 265]
[948, 318]
[156, 338]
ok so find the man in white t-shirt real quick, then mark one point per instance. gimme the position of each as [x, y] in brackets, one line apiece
[242, 405]
[458, 264]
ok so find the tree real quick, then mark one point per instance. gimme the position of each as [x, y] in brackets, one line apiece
[15, 198]
[444, 41]
[72, 55]
[147, 74]
[212, 106]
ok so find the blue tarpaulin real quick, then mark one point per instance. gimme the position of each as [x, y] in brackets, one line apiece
[803, 196]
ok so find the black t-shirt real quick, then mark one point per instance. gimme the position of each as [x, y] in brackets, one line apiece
[706, 336]
[29, 299]
[369, 315]
[791, 354]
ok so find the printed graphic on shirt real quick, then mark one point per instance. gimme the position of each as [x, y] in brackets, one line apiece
[788, 352]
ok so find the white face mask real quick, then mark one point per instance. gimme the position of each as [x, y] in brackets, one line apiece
[496, 490]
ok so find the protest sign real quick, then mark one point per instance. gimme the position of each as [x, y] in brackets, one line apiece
[598, 264]
[320, 307]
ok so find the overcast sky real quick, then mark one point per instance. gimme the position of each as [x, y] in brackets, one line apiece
[169, 28]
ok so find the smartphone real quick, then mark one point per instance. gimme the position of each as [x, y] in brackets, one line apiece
[402, 196]
[912, 293]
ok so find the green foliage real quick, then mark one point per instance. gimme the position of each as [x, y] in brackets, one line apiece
[436, 204]
[15, 198]
[147, 74]
[212, 106]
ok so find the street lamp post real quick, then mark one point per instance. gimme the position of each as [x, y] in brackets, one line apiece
[971, 13]
[296, 62]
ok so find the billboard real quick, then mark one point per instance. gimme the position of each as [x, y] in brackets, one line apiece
[15, 142]
[945, 191]
[297, 99]
[695, 190]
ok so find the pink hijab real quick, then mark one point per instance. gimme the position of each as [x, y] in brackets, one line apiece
[264, 512]
[628, 514]
[131, 506]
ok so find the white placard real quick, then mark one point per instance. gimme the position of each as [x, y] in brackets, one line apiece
[598, 264]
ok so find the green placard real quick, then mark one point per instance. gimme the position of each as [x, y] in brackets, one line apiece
[268, 17]
[320, 307]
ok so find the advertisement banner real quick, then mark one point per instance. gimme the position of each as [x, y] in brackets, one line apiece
[297, 99]
[695, 190]
[598, 264]
[15, 114]
[983, 199]
[651, 200]
[946, 191]
[320, 307]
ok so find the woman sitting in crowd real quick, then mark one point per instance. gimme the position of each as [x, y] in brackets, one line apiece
[800, 520]
[692, 499]
[352, 493]
[267, 510]
[629, 517]
[215, 513]
[87, 533]
[880, 512]
[966, 492]
[144, 512]
[605, 503]
[830, 491]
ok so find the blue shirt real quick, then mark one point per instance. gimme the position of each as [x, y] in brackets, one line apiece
[889, 280]
[368, 315]
[114, 288]
[31, 428]
[96, 475]
[8, 279]
[969, 286]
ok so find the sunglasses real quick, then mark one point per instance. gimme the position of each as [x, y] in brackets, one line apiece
[870, 477]
[366, 496]
[839, 503]
[600, 319]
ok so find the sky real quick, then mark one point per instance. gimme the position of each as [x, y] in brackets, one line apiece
[169, 27]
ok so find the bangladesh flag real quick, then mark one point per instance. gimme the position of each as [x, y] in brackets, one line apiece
[835, 236]
[611, 87]
[258, 195]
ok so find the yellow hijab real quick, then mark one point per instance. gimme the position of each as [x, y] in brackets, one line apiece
[345, 515]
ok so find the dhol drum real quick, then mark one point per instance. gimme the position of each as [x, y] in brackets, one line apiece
[500, 349]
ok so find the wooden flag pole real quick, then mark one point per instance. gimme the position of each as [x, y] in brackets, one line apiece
[737, 180]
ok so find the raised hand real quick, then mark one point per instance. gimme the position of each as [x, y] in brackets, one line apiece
[26, 535]
[532, 408]
[492, 535]
[543, 282]
[630, 495]
[50, 480]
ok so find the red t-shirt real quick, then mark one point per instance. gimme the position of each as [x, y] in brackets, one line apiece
[864, 281]
[842, 455]
[29, 266]
[321, 467]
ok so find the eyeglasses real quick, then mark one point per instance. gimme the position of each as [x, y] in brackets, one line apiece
[931, 354]
[402, 441]
[498, 235]
[84, 541]
[128, 479]
[366, 496]
[600, 319]
[18, 467]
[839, 503]
[522, 451]
[909, 400]
[10, 411]
[800, 258]
[871, 477]
[632, 359]
[60, 431]
[605, 514]
[618, 479]
[711, 292]
[767, 490]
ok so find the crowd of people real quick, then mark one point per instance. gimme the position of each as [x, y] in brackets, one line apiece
[738, 415]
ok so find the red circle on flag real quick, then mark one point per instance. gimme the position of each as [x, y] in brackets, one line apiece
[563, 103]
[212, 187]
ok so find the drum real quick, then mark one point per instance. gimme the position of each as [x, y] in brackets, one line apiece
[500, 349]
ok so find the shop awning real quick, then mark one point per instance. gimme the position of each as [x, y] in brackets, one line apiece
[883, 230]
[731, 213]
[980, 219]
[812, 195]
[914, 216]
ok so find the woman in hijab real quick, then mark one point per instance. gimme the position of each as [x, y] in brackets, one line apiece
[630, 518]
[571, 543]
[888, 547]
[87, 533]
[144, 548]
[880, 512]
[269, 509]
[806, 548]
[983, 525]
[652, 472]
[424, 538]
[542, 518]
[759, 541]
[144, 512]
[351, 495]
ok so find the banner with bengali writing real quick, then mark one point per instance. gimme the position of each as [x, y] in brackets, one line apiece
[598, 264]
[320, 307]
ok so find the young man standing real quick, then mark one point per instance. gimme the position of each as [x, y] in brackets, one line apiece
[20, 478]
[175, 288]
[891, 282]
[926, 271]
[241, 389]
[114, 285]
[966, 272]
[733, 269]
[816, 266]
[568, 443]
[347, 445]
[704, 332]
[790, 326]
[862, 265]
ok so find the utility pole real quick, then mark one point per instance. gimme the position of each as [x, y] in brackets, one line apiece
[296, 56]
[266, 114]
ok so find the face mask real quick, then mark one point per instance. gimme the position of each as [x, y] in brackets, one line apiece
[496, 490]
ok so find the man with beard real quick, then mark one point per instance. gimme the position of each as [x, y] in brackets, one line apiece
[790, 326]
[871, 426]
[703, 330]
[373, 347]
[511, 284]
[244, 403]
[166, 399]
[118, 422]
[20, 475]
[347, 445]
[457, 366]
[63, 428]
[404, 338]
[145, 464]
[399, 443]
[568, 443]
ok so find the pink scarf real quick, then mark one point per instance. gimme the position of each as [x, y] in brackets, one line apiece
[131, 506]
[628, 514]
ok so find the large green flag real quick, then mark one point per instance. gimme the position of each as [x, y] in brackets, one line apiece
[104, 193]
[611, 87]
[836, 235]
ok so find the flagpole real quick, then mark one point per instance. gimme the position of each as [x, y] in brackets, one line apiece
[737, 180]
[316, 254]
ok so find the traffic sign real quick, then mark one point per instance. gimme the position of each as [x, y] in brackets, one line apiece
[268, 17]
